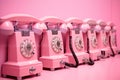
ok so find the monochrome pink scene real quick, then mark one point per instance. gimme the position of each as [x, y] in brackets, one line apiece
[59, 39]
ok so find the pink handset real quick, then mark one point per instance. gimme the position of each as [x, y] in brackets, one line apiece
[103, 39]
[5, 32]
[52, 49]
[93, 39]
[76, 32]
[22, 50]
[112, 39]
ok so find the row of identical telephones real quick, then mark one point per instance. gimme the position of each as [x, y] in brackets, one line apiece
[28, 44]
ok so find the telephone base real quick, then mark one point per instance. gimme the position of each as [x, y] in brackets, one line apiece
[54, 61]
[81, 57]
[107, 52]
[21, 69]
[94, 54]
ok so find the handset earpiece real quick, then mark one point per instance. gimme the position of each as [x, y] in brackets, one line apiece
[85, 28]
[6, 28]
[37, 29]
[97, 28]
[63, 28]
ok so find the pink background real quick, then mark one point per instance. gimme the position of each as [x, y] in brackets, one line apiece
[108, 10]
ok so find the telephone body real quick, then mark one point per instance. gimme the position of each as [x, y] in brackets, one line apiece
[22, 51]
[113, 37]
[52, 49]
[93, 39]
[74, 24]
[103, 39]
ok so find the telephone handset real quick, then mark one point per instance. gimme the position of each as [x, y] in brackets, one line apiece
[22, 44]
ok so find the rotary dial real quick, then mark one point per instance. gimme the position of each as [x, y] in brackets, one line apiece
[56, 44]
[105, 40]
[27, 48]
[78, 43]
[93, 41]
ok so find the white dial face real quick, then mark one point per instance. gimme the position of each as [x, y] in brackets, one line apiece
[105, 40]
[27, 48]
[113, 39]
[56, 44]
[78, 43]
[93, 41]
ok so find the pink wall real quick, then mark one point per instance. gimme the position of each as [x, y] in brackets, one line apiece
[97, 9]
[116, 17]
[107, 10]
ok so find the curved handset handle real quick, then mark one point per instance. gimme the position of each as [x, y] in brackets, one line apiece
[23, 21]
[73, 22]
[88, 24]
[38, 28]
[101, 23]
[94, 26]
[6, 28]
[54, 22]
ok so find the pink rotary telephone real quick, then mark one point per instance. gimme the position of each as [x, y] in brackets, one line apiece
[5, 32]
[22, 50]
[112, 39]
[103, 39]
[93, 39]
[74, 25]
[52, 48]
